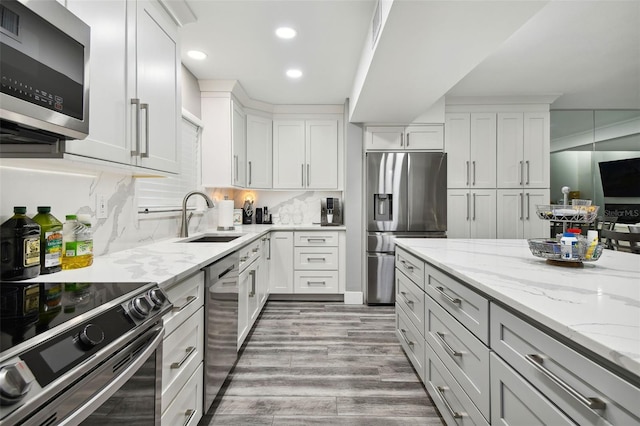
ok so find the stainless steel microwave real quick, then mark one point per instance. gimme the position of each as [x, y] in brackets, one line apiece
[44, 66]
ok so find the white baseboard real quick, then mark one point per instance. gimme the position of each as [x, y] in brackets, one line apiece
[353, 298]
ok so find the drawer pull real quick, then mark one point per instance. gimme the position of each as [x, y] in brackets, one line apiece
[189, 351]
[316, 282]
[256, 249]
[316, 259]
[404, 336]
[244, 258]
[189, 301]
[454, 414]
[594, 403]
[189, 413]
[321, 240]
[447, 346]
[404, 296]
[404, 263]
[449, 298]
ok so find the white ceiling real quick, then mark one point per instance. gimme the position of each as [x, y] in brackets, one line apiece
[588, 51]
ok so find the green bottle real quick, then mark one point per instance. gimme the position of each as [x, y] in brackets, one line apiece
[19, 247]
[50, 240]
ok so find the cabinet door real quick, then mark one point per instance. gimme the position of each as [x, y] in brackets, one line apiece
[533, 226]
[483, 214]
[265, 272]
[384, 137]
[457, 139]
[537, 135]
[510, 213]
[289, 154]
[244, 287]
[425, 137]
[158, 86]
[482, 167]
[458, 213]
[254, 300]
[259, 152]
[109, 102]
[510, 155]
[239, 145]
[321, 154]
[281, 279]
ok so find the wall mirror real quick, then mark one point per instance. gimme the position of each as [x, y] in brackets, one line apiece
[597, 152]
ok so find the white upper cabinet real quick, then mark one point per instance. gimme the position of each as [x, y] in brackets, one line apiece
[134, 83]
[305, 154]
[523, 150]
[223, 142]
[259, 152]
[470, 143]
[416, 137]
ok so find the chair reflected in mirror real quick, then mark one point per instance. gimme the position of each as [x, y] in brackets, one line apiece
[621, 241]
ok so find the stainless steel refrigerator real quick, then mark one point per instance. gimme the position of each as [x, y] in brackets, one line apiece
[406, 197]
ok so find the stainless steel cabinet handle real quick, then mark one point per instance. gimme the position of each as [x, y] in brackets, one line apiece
[235, 167]
[406, 299]
[467, 195]
[252, 274]
[244, 258]
[474, 173]
[408, 139]
[316, 282]
[316, 259]
[594, 403]
[527, 163]
[528, 206]
[145, 154]
[322, 240]
[269, 255]
[404, 336]
[454, 414]
[256, 249]
[189, 301]
[401, 139]
[302, 176]
[404, 263]
[521, 206]
[226, 271]
[189, 351]
[521, 172]
[467, 173]
[189, 413]
[449, 298]
[249, 172]
[136, 102]
[474, 206]
[447, 346]
[308, 177]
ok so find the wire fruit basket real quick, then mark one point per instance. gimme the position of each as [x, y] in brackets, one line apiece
[552, 251]
[567, 213]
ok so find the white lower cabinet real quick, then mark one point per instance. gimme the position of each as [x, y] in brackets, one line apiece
[515, 402]
[411, 340]
[281, 264]
[186, 408]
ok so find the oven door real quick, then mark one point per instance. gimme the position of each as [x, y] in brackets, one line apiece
[125, 389]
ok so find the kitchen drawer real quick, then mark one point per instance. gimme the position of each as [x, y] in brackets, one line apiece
[182, 351]
[515, 402]
[530, 352]
[316, 239]
[248, 254]
[187, 297]
[411, 266]
[411, 298]
[464, 304]
[453, 403]
[186, 408]
[466, 358]
[411, 340]
[315, 258]
[315, 282]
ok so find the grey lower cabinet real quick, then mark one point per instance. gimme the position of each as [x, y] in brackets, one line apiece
[483, 364]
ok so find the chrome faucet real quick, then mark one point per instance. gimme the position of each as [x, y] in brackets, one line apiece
[184, 228]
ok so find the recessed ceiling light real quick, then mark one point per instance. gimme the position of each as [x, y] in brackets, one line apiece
[294, 73]
[196, 54]
[286, 32]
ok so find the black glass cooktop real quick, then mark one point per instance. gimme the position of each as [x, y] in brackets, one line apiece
[28, 309]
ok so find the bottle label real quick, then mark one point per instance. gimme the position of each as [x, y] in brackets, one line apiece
[70, 249]
[84, 248]
[53, 248]
[31, 251]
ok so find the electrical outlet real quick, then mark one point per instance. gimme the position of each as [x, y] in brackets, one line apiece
[102, 210]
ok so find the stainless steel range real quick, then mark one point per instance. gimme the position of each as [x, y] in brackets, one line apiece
[75, 353]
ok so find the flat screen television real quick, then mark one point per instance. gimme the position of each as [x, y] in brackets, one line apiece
[620, 178]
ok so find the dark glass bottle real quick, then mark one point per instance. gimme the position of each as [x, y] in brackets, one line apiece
[50, 240]
[19, 247]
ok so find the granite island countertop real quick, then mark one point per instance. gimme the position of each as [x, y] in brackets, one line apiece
[596, 306]
[169, 261]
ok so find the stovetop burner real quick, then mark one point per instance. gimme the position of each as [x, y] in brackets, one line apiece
[29, 309]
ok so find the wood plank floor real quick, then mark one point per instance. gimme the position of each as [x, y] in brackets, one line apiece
[319, 363]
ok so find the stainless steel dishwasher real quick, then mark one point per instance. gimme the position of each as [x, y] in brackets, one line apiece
[221, 324]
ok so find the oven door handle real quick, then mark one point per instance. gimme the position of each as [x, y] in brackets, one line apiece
[101, 397]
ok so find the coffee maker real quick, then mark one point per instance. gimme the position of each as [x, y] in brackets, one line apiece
[330, 212]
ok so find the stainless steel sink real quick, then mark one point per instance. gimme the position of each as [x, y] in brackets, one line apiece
[210, 239]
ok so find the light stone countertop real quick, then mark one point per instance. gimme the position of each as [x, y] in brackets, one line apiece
[596, 306]
[169, 261]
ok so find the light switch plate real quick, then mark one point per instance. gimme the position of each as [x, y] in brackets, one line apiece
[102, 210]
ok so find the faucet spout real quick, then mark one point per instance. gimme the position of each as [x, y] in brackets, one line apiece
[184, 226]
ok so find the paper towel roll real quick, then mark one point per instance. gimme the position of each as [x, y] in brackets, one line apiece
[225, 214]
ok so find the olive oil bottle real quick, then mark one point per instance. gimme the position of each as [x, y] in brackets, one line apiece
[19, 247]
[50, 240]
